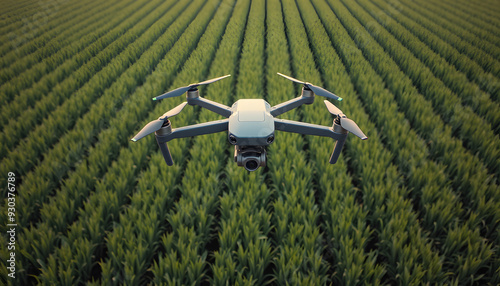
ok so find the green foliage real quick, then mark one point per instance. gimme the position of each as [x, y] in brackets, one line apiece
[478, 65]
[44, 76]
[31, 38]
[446, 63]
[53, 169]
[87, 84]
[454, 25]
[475, 24]
[462, 119]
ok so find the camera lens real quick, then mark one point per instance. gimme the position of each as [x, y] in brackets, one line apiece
[270, 139]
[232, 139]
[251, 165]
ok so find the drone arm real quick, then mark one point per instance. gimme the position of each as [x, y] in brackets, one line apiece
[188, 131]
[291, 104]
[195, 130]
[313, 129]
[211, 105]
[306, 128]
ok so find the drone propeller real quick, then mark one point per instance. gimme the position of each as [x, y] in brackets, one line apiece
[191, 87]
[345, 122]
[156, 125]
[316, 89]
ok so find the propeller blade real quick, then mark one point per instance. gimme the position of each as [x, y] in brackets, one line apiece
[155, 125]
[316, 89]
[323, 92]
[182, 90]
[332, 108]
[292, 79]
[352, 127]
[173, 93]
[174, 111]
[346, 123]
[151, 127]
[212, 80]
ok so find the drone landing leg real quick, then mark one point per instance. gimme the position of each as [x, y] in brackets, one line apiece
[167, 133]
[337, 149]
[165, 152]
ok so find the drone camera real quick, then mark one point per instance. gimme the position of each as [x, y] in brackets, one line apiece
[232, 139]
[270, 139]
[250, 157]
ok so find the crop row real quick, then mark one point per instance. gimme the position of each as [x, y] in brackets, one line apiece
[77, 187]
[482, 8]
[414, 245]
[297, 238]
[436, 197]
[15, 7]
[192, 221]
[466, 125]
[474, 62]
[16, 12]
[113, 190]
[120, 54]
[245, 250]
[467, 172]
[193, 66]
[126, 262]
[33, 84]
[36, 29]
[96, 163]
[390, 223]
[58, 162]
[445, 67]
[11, 6]
[89, 80]
[15, 62]
[464, 42]
[365, 69]
[28, 70]
[479, 19]
[346, 232]
[471, 38]
[458, 18]
[471, 172]
[483, 200]
[478, 194]
[488, 5]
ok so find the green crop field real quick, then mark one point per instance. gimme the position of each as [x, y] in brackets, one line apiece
[418, 203]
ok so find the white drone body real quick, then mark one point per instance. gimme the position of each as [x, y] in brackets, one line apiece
[250, 123]
[251, 126]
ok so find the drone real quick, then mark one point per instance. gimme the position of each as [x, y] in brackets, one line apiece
[250, 123]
